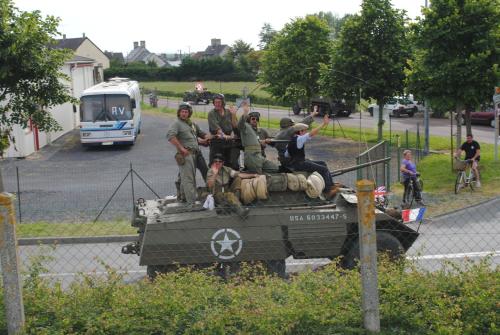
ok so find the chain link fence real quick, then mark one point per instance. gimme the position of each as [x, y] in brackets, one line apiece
[82, 226]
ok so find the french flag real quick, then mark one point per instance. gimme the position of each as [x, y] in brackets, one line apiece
[410, 215]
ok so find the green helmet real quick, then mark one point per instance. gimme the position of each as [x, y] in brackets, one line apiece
[185, 105]
[221, 97]
[286, 122]
[255, 115]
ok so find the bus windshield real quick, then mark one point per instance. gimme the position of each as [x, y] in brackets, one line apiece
[107, 107]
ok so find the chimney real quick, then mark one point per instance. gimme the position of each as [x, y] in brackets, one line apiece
[143, 44]
[215, 42]
[136, 45]
[64, 36]
[83, 35]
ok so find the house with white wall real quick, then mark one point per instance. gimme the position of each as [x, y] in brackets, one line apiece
[83, 72]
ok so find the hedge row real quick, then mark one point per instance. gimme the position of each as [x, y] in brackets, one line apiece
[172, 74]
[449, 301]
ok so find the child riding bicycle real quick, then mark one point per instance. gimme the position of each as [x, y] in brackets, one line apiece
[409, 173]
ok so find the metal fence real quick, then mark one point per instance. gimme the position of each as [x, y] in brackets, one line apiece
[84, 223]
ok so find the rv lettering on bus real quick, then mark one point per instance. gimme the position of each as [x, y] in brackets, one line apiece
[115, 110]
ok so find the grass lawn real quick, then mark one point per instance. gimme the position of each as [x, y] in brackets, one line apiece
[100, 228]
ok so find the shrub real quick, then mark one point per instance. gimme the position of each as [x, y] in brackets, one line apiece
[452, 300]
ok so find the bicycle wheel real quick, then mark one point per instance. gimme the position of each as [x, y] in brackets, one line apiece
[411, 195]
[459, 182]
[471, 180]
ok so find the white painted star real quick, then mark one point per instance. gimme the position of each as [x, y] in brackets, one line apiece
[226, 244]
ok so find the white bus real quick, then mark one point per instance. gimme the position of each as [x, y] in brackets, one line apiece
[110, 113]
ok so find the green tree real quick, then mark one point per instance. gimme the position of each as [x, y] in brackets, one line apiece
[239, 48]
[294, 57]
[370, 55]
[456, 63]
[30, 78]
[266, 35]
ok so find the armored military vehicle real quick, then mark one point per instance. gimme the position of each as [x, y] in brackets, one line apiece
[326, 105]
[199, 94]
[286, 224]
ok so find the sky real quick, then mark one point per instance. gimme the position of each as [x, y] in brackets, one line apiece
[184, 25]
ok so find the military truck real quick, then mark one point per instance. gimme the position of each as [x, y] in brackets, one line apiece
[199, 94]
[286, 224]
[326, 105]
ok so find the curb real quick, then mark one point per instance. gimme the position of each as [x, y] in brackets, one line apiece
[76, 240]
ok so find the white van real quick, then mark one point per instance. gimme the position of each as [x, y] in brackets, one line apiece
[110, 113]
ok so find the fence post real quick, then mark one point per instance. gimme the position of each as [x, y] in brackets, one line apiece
[417, 144]
[18, 195]
[132, 184]
[368, 255]
[268, 115]
[398, 155]
[13, 297]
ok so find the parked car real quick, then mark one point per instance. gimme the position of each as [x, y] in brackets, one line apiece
[485, 117]
[397, 107]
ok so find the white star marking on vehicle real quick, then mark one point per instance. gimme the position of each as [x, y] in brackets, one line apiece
[223, 247]
[226, 244]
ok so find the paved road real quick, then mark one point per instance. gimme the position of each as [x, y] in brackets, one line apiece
[439, 127]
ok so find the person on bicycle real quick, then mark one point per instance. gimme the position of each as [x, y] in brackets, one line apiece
[472, 153]
[409, 173]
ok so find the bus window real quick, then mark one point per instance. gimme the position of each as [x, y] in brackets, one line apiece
[92, 109]
[105, 108]
[118, 107]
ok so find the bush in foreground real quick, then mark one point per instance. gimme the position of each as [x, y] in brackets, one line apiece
[450, 301]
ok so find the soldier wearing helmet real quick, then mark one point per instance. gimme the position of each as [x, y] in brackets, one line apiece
[223, 126]
[263, 134]
[286, 133]
[254, 161]
[186, 136]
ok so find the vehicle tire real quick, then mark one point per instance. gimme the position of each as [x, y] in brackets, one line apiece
[277, 267]
[296, 109]
[396, 113]
[459, 183]
[385, 243]
[411, 114]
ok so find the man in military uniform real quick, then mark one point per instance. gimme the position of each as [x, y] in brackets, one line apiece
[222, 125]
[286, 133]
[185, 136]
[263, 134]
[225, 185]
[254, 161]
